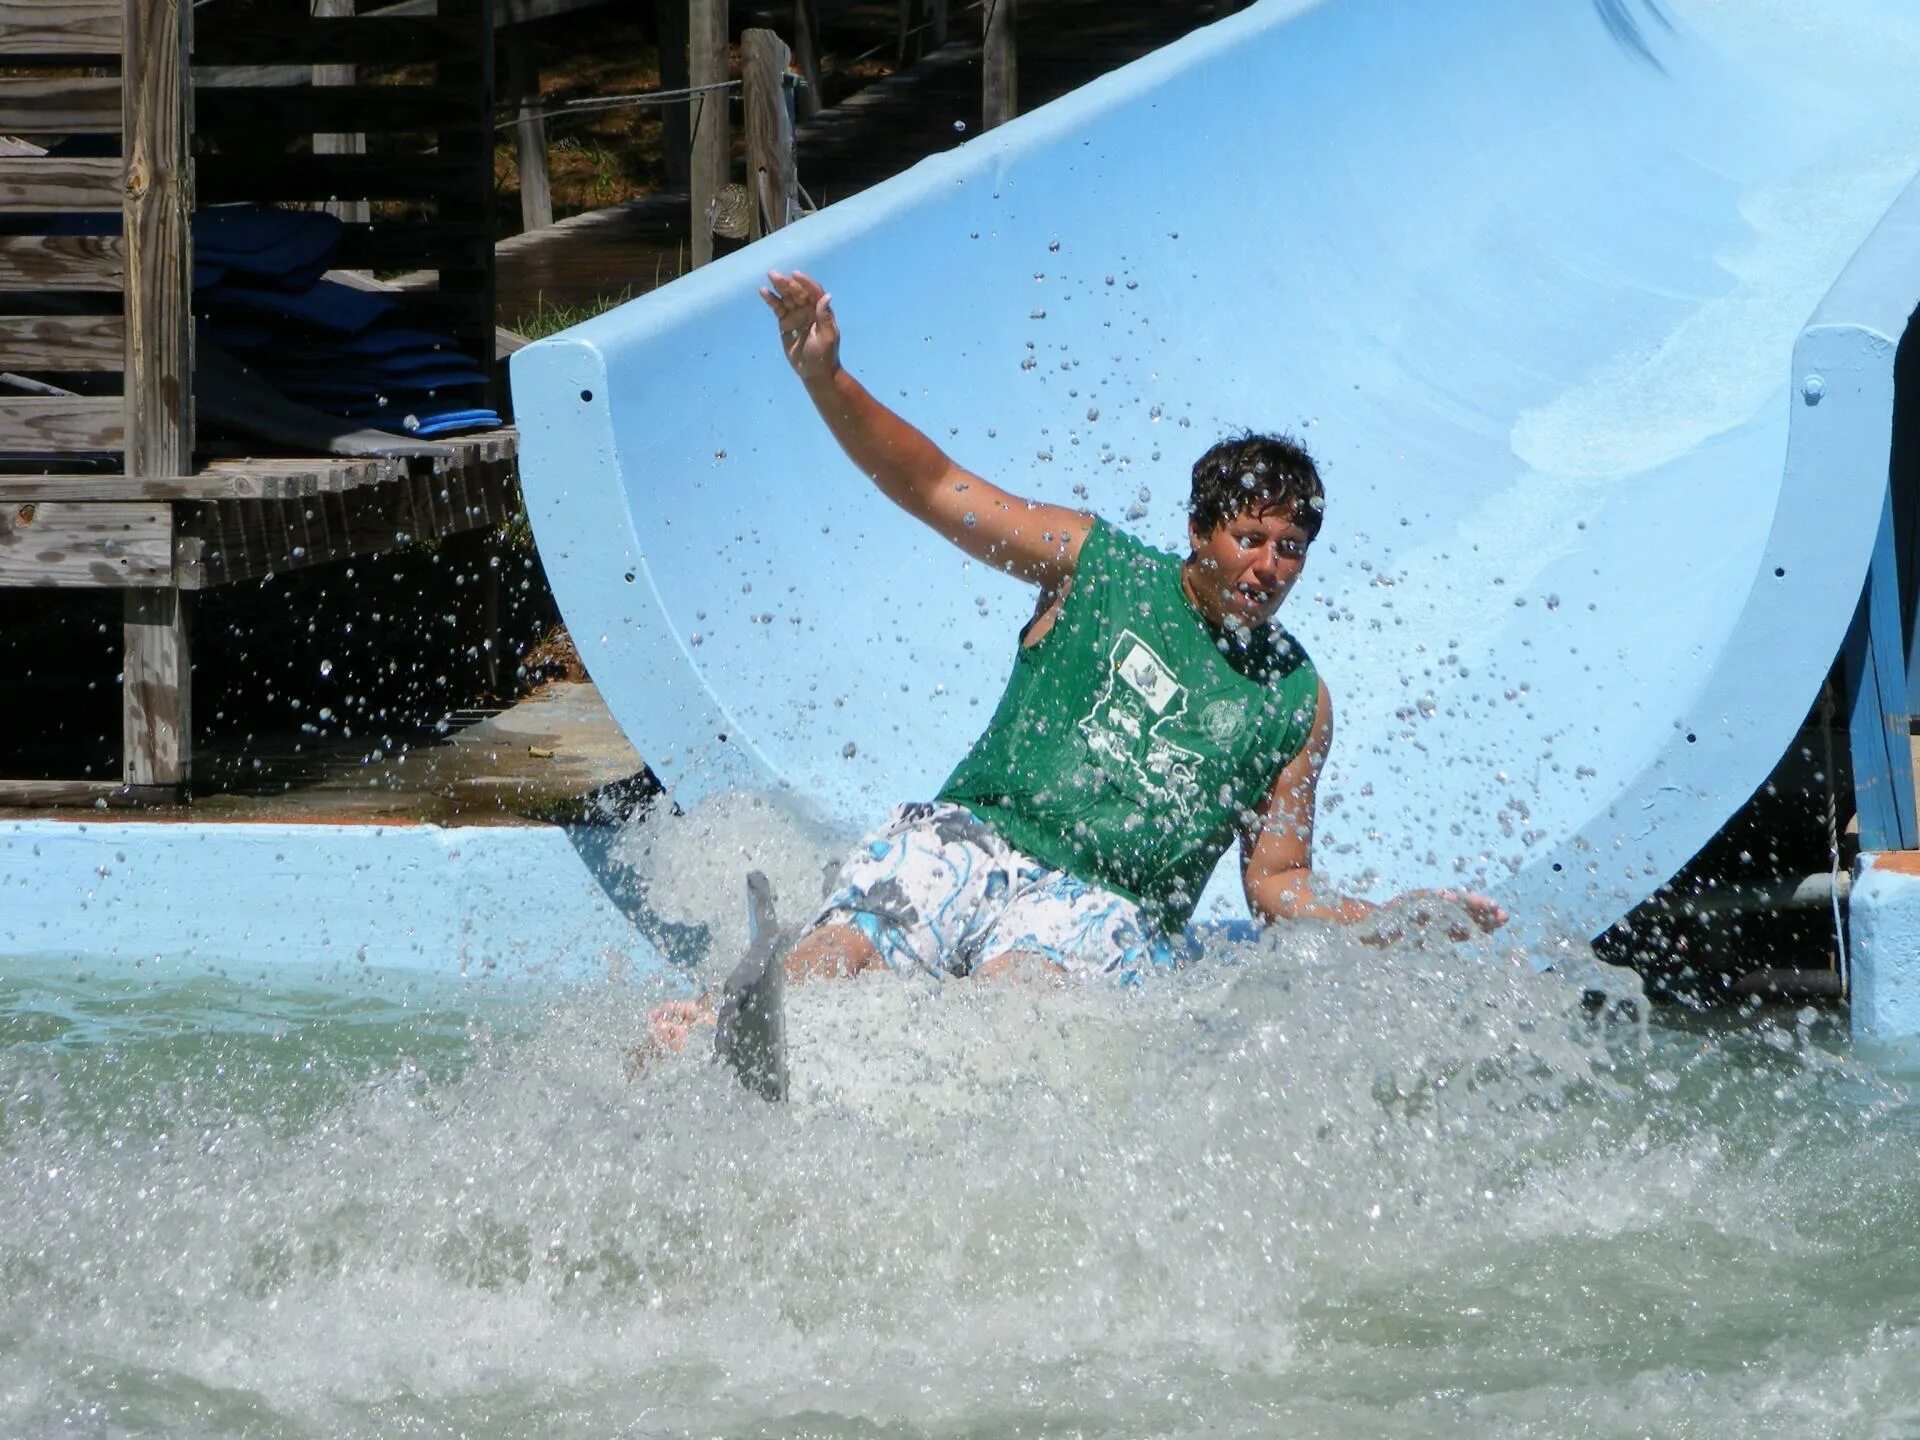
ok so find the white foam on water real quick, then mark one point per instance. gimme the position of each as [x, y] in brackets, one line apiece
[1309, 1186]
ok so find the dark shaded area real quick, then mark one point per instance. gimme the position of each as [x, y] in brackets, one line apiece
[1903, 472]
[639, 241]
[1706, 939]
[380, 653]
[1627, 30]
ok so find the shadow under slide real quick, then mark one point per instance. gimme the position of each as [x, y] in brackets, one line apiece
[1587, 309]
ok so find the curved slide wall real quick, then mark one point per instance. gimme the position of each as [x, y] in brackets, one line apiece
[1533, 279]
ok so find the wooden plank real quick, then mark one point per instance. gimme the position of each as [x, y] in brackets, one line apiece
[60, 27]
[327, 177]
[62, 342]
[62, 425]
[224, 542]
[529, 133]
[708, 156]
[346, 40]
[77, 106]
[82, 545]
[159, 241]
[38, 489]
[33, 793]
[773, 191]
[35, 184]
[61, 262]
[806, 56]
[156, 691]
[999, 63]
[301, 109]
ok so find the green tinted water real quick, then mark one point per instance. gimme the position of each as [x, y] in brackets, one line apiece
[1326, 1191]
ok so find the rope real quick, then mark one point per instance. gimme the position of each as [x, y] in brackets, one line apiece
[1833, 840]
[614, 102]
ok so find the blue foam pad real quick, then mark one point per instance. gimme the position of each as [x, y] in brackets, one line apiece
[328, 305]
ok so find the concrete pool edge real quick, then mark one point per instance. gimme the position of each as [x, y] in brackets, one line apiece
[507, 902]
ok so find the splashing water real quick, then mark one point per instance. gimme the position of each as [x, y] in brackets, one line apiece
[1307, 1187]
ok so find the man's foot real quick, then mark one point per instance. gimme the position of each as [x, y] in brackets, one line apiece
[752, 1032]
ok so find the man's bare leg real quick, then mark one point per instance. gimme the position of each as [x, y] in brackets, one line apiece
[832, 952]
[1020, 967]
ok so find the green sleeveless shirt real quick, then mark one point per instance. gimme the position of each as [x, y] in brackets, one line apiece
[1133, 735]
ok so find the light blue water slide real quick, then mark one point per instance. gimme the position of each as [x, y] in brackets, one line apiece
[1587, 308]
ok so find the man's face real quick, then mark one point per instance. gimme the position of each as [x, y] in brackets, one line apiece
[1244, 567]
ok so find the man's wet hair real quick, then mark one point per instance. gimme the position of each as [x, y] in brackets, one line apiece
[1256, 472]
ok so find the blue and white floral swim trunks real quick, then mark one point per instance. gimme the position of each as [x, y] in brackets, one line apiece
[937, 889]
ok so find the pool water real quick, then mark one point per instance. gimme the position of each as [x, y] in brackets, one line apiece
[1308, 1188]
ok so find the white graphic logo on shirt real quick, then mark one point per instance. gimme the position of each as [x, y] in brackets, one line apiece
[1140, 698]
[1223, 719]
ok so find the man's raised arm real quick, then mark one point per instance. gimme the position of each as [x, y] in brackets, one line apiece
[1035, 542]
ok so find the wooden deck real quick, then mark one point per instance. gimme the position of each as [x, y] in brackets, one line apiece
[543, 759]
[591, 259]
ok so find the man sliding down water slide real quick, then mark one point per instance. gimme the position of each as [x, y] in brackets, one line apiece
[1156, 712]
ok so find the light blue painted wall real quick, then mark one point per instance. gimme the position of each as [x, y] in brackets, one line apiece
[1884, 944]
[1529, 277]
[505, 903]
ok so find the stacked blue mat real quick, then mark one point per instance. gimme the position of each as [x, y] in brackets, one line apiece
[258, 286]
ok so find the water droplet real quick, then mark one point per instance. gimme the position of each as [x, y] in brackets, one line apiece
[849, 750]
[960, 128]
[1093, 413]
[326, 667]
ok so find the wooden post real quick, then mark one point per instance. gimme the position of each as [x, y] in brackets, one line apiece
[806, 54]
[158, 413]
[907, 45]
[999, 63]
[156, 704]
[773, 190]
[670, 22]
[354, 212]
[708, 154]
[529, 131]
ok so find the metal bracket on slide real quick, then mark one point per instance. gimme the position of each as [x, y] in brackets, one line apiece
[1874, 662]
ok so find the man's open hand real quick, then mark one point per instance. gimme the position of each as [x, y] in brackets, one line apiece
[1486, 914]
[809, 334]
[669, 1028]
